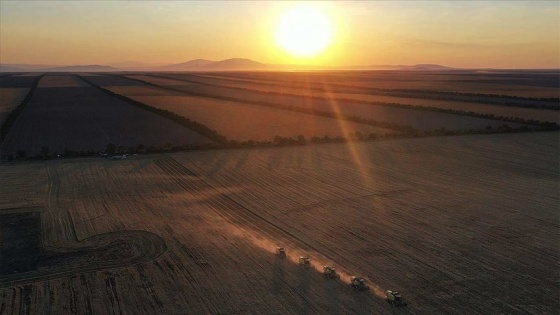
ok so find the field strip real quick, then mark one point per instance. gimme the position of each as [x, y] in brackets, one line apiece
[506, 100]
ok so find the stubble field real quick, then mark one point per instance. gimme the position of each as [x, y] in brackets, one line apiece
[458, 224]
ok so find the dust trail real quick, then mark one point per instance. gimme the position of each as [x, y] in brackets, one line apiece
[293, 252]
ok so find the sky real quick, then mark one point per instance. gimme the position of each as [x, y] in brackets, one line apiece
[470, 34]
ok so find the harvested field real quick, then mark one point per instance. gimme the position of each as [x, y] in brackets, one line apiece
[363, 96]
[242, 122]
[9, 99]
[447, 221]
[82, 118]
[419, 119]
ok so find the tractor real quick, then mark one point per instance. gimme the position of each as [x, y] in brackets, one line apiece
[304, 261]
[330, 273]
[395, 298]
[280, 252]
[358, 283]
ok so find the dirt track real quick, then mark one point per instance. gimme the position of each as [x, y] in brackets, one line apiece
[458, 224]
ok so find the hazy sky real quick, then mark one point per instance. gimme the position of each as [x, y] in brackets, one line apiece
[501, 34]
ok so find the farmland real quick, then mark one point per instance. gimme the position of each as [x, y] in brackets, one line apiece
[245, 122]
[465, 224]
[363, 95]
[66, 113]
[521, 83]
[263, 108]
[418, 119]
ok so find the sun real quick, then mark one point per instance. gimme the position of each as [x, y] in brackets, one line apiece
[304, 31]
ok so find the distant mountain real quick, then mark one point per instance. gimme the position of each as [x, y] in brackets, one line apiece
[236, 64]
[23, 67]
[133, 65]
[418, 67]
[186, 66]
[426, 67]
[10, 69]
[85, 68]
[233, 64]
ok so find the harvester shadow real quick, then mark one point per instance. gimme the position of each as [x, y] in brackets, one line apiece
[303, 289]
[278, 276]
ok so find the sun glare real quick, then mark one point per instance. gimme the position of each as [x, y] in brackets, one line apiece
[304, 31]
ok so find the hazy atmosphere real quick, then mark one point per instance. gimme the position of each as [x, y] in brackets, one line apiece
[280, 157]
[480, 34]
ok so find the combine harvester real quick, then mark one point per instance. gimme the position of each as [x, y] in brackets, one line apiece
[280, 252]
[358, 283]
[304, 261]
[330, 273]
[395, 298]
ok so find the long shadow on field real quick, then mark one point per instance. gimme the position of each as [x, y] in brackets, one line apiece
[278, 276]
[303, 288]
[23, 258]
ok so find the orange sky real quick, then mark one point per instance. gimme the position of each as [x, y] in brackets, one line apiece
[501, 34]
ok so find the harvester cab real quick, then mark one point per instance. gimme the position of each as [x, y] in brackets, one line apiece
[358, 283]
[330, 273]
[304, 261]
[280, 252]
[395, 298]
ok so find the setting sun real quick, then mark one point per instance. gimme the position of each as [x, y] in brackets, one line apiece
[304, 31]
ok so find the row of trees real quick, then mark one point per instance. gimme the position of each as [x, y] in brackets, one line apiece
[277, 141]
